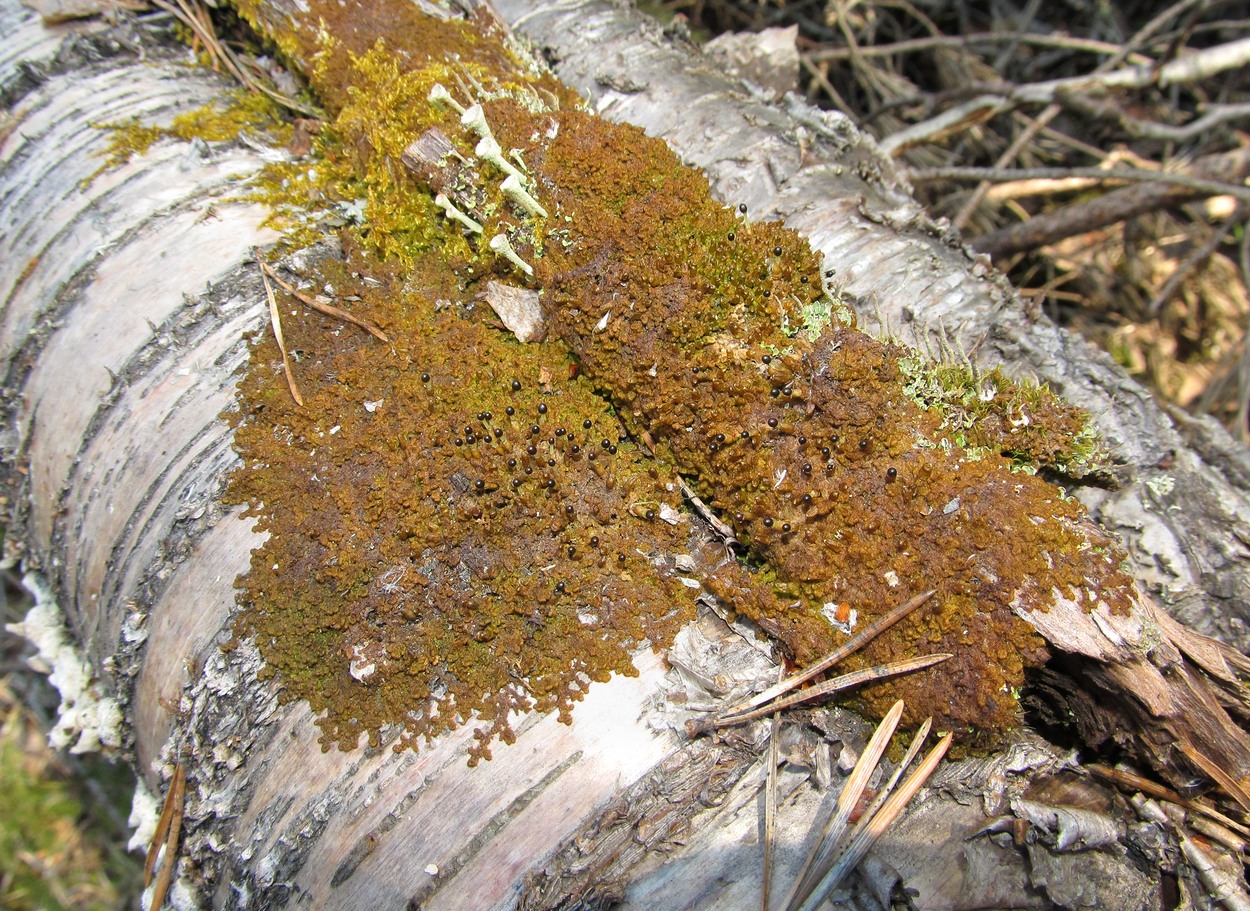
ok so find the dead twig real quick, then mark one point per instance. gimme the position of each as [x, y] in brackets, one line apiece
[1212, 175]
[1195, 260]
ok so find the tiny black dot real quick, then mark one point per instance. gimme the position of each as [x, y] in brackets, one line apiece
[807, 468]
[772, 422]
[470, 439]
[731, 235]
[594, 540]
[767, 359]
[803, 280]
[612, 450]
[713, 447]
[512, 463]
[551, 441]
[768, 293]
[516, 385]
[742, 207]
[720, 438]
[591, 455]
[825, 451]
[605, 443]
[568, 509]
[498, 434]
[891, 473]
[532, 449]
[542, 407]
[560, 585]
[481, 415]
[650, 514]
[774, 392]
[551, 463]
[459, 442]
[802, 441]
[534, 429]
[807, 499]
[620, 558]
[487, 416]
[786, 527]
[768, 523]
[586, 424]
[575, 449]
[739, 517]
[788, 390]
[572, 551]
[830, 273]
[529, 469]
[509, 411]
[516, 482]
[550, 483]
[468, 429]
[425, 377]
[776, 251]
[863, 445]
[479, 484]
[559, 431]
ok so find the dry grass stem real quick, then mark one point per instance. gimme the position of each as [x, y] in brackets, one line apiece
[275, 320]
[195, 16]
[168, 829]
[842, 682]
[821, 853]
[327, 309]
[841, 653]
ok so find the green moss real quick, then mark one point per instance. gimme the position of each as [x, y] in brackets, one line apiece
[216, 122]
[853, 475]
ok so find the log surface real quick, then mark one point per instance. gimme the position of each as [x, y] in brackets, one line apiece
[126, 298]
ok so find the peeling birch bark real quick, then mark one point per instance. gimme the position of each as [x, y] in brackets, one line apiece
[125, 302]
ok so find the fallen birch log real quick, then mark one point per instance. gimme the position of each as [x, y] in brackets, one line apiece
[142, 557]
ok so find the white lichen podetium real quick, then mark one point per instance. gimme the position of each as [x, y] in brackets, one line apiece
[501, 245]
[441, 97]
[450, 210]
[513, 189]
[490, 151]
